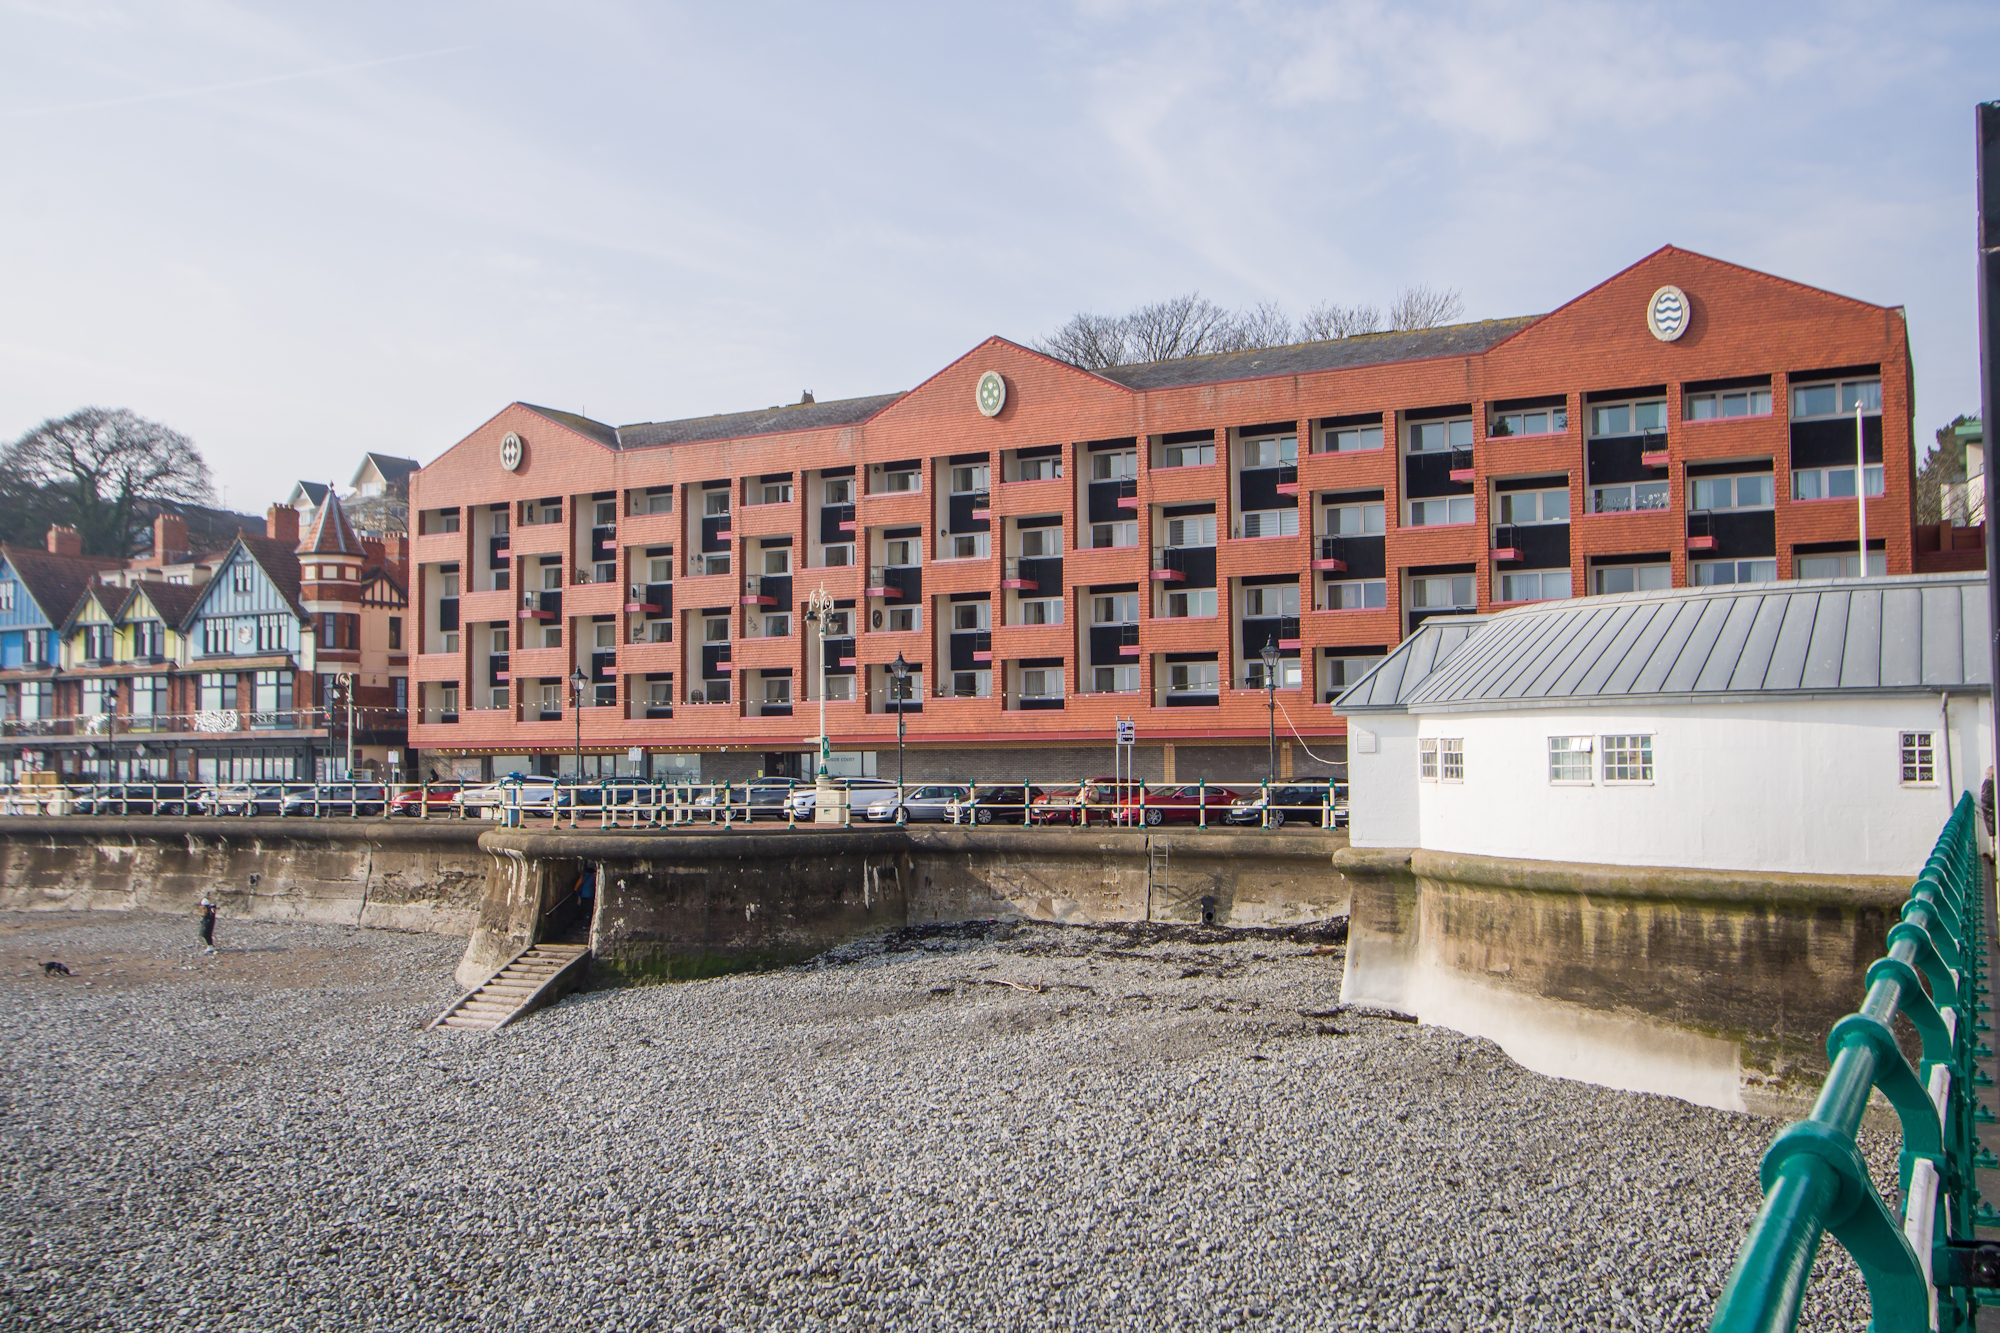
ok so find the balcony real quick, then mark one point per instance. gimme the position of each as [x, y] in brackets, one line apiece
[1012, 642]
[754, 594]
[1014, 579]
[1128, 641]
[844, 518]
[541, 606]
[1653, 449]
[883, 583]
[649, 529]
[982, 505]
[1332, 556]
[649, 657]
[1169, 565]
[982, 646]
[1461, 464]
[1701, 531]
[778, 518]
[439, 548]
[1506, 546]
[1128, 494]
[539, 539]
[637, 603]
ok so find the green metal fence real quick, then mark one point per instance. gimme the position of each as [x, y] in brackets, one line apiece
[1923, 1265]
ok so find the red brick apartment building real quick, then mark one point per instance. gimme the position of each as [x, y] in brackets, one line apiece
[1052, 550]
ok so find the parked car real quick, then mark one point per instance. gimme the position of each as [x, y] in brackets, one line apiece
[1175, 805]
[860, 793]
[918, 805]
[530, 791]
[438, 798]
[1072, 804]
[627, 789]
[132, 798]
[987, 805]
[241, 798]
[337, 798]
[1292, 803]
[1055, 805]
[760, 798]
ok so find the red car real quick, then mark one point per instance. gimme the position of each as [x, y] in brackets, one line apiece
[1072, 804]
[1176, 805]
[435, 795]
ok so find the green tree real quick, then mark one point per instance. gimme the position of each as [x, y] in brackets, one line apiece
[1943, 466]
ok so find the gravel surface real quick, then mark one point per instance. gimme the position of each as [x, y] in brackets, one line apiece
[967, 1127]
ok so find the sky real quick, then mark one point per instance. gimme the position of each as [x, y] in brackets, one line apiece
[298, 232]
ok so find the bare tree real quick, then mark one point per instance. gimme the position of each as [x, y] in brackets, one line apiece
[1190, 325]
[1260, 326]
[1330, 319]
[1425, 307]
[96, 467]
[1090, 341]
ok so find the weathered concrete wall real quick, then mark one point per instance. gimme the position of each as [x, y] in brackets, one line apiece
[424, 875]
[1714, 986]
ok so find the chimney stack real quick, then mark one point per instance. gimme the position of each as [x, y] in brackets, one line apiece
[281, 523]
[64, 541]
[170, 537]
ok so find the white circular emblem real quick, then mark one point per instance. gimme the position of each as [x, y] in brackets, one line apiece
[992, 394]
[1667, 313]
[510, 451]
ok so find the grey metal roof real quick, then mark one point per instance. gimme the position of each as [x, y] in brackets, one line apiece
[1366, 349]
[723, 425]
[1389, 684]
[1911, 634]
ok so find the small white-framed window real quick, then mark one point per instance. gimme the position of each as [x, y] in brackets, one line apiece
[1626, 758]
[904, 618]
[1195, 454]
[1107, 535]
[1048, 468]
[1040, 543]
[603, 514]
[1114, 465]
[1570, 760]
[1435, 592]
[839, 689]
[604, 635]
[239, 577]
[1355, 520]
[552, 636]
[1115, 679]
[1357, 595]
[1629, 498]
[1751, 490]
[1845, 565]
[659, 694]
[777, 560]
[450, 641]
[902, 553]
[1529, 421]
[1429, 437]
[1337, 673]
[660, 569]
[1193, 603]
[1270, 600]
[1535, 585]
[1270, 451]
[1451, 759]
[837, 491]
[1118, 608]
[713, 562]
[969, 479]
[777, 493]
[1290, 673]
[1837, 398]
[714, 503]
[499, 638]
[839, 556]
[777, 689]
[972, 684]
[778, 625]
[1721, 404]
[1441, 512]
[839, 624]
[655, 500]
[715, 629]
[1193, 530]
[970, 616]
[1713, 573]
[1350, 439]
[971, 545]
[1631, 578]
[1193, 677]
[1523, 507]
[448, 586]
[1042, 683]
[1637, 417]
[1271, 523]
[902, 480]
[1919, 758]
[1042, 611]
[1427, 760]
[1833, 483]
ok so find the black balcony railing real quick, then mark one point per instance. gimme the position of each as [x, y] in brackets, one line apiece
[1333, 548]
[1128, 636]
[886, 576]
[1701, 523]
[1461, 458]
[1504, 538]
[1173, 559]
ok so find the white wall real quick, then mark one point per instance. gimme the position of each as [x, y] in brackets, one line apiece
[1381, 787]
[1811, 786]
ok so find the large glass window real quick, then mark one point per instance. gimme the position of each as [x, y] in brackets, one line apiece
[1842, 566]
[1271, 523]
[970, 616]
[1271, 600]
[1193, 677]
[1631, 418]
[1533, 421]
[1710, 573]
[1431, 436]
[1105, 535]
[1834, 398]
[1114, 466]
[1631, 578]
[1356, 520]
[1441, 512]
[1042, 683]
[969, 479]
[1194, 530]
[1357, 595]
[714, 503]
[1350, 439]
[1634, 497]
[1441, 592]
[970, 545]
[1192, 603]
[1535, 585]
[1271, 451]
[1519, 507]
[1832, 483]
[1040, 543]
[1724, 403]
[1042, 611]
[1188, 455]
[1750, 491]
[901, 480]
[1115, 679]
[838, 490]
[1119, 608]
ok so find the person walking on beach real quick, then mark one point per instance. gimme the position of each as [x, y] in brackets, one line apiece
[208, 925]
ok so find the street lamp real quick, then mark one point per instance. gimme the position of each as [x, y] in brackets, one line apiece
[901, 671]
[577, 680]
[819, 609]
[347, 696]
[1270, 656]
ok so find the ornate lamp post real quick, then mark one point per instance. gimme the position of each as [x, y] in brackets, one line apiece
[346, 679]
[577, 681]
[900, 671]
[819, 609]
[1270, 656]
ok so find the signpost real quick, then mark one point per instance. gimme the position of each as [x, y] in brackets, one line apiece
[1123, 758]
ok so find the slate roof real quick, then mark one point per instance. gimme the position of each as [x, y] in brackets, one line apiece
[1364, 349]
[315, 491]
[1389, 684]
[111, 599]
[764, 421]
[56, 582]
[172, 600]
[331, 533]
[1912, 634]
[395, 471]
[280, 562]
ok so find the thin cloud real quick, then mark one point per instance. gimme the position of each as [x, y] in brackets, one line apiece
[237, 86]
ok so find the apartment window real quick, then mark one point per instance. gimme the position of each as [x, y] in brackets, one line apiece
[1115, 679]
[97, 642]
[1272, 451]
[660, 569]
[840, 688]
[1040, 469]
[713, 562]
[1427, 437]
[604, 634]
[447, 701]
[100, 696]
[445, 522]
[1195, 530]
[1534, 507]
[552, 700]
[1042, 611]
[1728, 403]
[1750, 491]
[1451, 759]
[778, 560]
[1832, 483]
[839, 556]
[450, 586]
[1357, 595]
[1362, 520]
[1191, 604]
[1271, 600]
[1427, 762]
[451, 641]
[1841, 566]
[1919, 758]
[500, 638]
[552, 578]
[1631, 578]
[714, 503]
[1271, 523]
[901, 480]
[239, 577]
[1042, 683]
[659, 694]
[903, 618]
[1534, 421]
[838, 490]
[778, 493]
[1569, 759]
[604, 571]
[1441, 512]
[971, 684]
[1539, 585]
[1633, 418]
[903, 553]
[970, 545]
[968, 480]
[552, 636]
[149, 638]
[1193, 677]
[1040, 543]
[1104, 535]
[1441, 592]
[655, 501]
[1350, 439]
[715, 629]
[1628, 758]
[1708, 573]
[1114, 466]
[273, 694]
[1340, 672]
[1836, 398]
[1634, 498]
[1119, 608]
[840, 624]
[778, 626]
[777, 689]
[1289, 674]
[970, 616]
[604, 514]
[1188, 455]
[395, 634]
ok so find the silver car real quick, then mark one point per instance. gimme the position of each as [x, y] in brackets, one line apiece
[918, 805]
[860, 793]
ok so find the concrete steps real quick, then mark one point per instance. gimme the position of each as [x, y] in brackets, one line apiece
[533, 978]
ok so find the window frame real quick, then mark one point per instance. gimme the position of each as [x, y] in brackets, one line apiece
[1210, 681]
[1417, 441]
[1331, 438]
[1539, 575]
[1735, 480]
[1665, 496]
[1284, 517]
[1845, 406]
[1917, 758]
[1114, 528]
[1874, 477]
[1632, 427]
[1331, 513]
[1258, 443]
[1365, 585]
[1472, 582]
[1695, 566]
[1597, 573]
[1555, 422]
[1118, 465]
[1449, 502]
[1642, 761]
[1185, 593]
[1719, 398]
[1504, 502]
[1566, 747]
[1175, 455]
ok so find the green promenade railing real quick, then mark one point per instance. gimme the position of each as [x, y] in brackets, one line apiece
[1924, 1268]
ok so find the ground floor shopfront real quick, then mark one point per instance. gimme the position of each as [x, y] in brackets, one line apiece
[276, 756]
